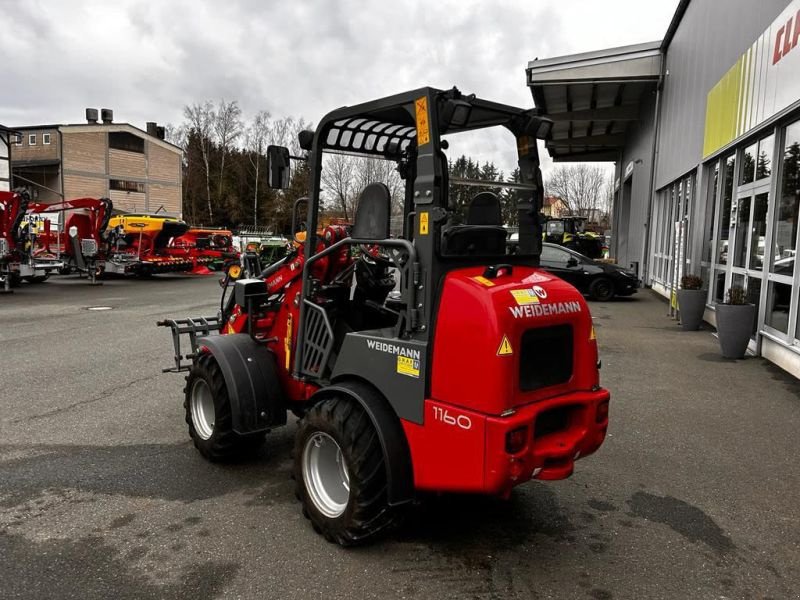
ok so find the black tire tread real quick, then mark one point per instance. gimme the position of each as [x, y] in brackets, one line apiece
[369, 513]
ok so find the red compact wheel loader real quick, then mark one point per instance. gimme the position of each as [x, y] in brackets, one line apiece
[433, 361]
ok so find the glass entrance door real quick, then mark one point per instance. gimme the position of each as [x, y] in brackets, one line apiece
[749, 221]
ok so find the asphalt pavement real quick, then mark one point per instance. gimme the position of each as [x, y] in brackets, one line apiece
[695, 494]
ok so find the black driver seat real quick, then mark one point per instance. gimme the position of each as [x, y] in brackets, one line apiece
[371, 221]
[483, 234]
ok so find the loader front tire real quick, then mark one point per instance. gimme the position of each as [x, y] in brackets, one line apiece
[340, 473]
[208, 414]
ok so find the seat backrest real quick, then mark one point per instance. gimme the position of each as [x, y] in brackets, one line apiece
[484, 209]
[371, 221]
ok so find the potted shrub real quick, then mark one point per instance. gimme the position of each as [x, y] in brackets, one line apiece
[691, 302]
[735, 319]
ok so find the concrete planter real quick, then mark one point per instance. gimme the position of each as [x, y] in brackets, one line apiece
[734, 327]
[692, 305]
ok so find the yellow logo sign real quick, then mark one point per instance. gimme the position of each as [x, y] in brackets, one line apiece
[423, 127]
[525, 297]
[505, 348]
[483, 281]
[423, 223]
[408, 366]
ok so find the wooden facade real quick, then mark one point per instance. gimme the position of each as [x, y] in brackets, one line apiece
[137, 171]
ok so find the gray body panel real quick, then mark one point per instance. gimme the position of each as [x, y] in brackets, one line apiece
[388, 364]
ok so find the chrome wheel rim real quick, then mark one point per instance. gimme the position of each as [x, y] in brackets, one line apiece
[325, 474]
[202, 409]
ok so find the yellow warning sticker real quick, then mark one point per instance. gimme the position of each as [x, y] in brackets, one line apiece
[483, 281]
[505, 348]
[287, 342]
[423, 223]
[423, 127]
[592, 335]
[408, 366]
[525, 297]
[523, 145]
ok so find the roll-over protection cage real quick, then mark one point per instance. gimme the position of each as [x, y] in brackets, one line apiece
[407, 128]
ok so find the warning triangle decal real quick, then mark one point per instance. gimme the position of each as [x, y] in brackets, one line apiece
[505, 347]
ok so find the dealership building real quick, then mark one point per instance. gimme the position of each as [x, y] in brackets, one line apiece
[704, 128]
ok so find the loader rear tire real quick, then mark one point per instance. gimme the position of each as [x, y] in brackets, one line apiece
[340, 473]
[208, 414]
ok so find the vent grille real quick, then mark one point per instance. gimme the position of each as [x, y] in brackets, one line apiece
[318, 341]
[545, 357]
[88, 247]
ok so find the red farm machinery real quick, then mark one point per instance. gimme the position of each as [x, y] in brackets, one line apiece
[75, 232]
[20, 235]
[151, 244]
[434, 361]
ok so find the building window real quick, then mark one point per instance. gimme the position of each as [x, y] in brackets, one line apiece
[725, 213]
[122, 140]
[123, 185]
[784, 246]
[31, 139]
[17, 139]
[708, 230]
[764, 161]
[46, 139]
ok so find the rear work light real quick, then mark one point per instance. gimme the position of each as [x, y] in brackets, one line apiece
[516, 440]
[602, 412]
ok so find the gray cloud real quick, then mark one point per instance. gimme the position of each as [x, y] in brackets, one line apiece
[147, 60]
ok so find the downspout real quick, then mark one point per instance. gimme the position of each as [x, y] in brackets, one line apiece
[653, 167]
[63, 217]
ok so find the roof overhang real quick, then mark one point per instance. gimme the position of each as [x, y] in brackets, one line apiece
[593, 97]
[30, 164]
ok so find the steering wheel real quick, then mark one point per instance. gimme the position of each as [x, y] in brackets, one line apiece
[374, 254]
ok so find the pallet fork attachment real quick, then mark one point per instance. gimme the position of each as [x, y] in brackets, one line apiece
[194, 327]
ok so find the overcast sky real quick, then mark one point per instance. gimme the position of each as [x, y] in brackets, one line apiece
[146, 59]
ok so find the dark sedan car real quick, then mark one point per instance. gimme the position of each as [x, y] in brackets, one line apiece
[600, 281]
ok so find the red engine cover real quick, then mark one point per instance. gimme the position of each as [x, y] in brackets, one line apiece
[478, 337]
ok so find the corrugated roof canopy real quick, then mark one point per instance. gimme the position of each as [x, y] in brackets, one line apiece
[592, 97]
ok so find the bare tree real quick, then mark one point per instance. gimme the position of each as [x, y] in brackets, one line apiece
[375, 170]
[255, 141]
[228, 127]
[284, 132]
[337, 179]
[200, 119]
[176, 135]
[607, 202]
[580, 186]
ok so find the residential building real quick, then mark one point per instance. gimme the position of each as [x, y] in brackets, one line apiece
[5, 166]
[704, 128]
[554, 207]
[137, 169]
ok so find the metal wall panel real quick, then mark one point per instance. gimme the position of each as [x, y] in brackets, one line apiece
[710, 38]
[638, 146]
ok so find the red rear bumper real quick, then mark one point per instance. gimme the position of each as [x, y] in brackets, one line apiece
[464, 451]
[559, 431]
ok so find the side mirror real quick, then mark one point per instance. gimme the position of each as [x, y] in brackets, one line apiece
[279, 167]
[572, 261]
